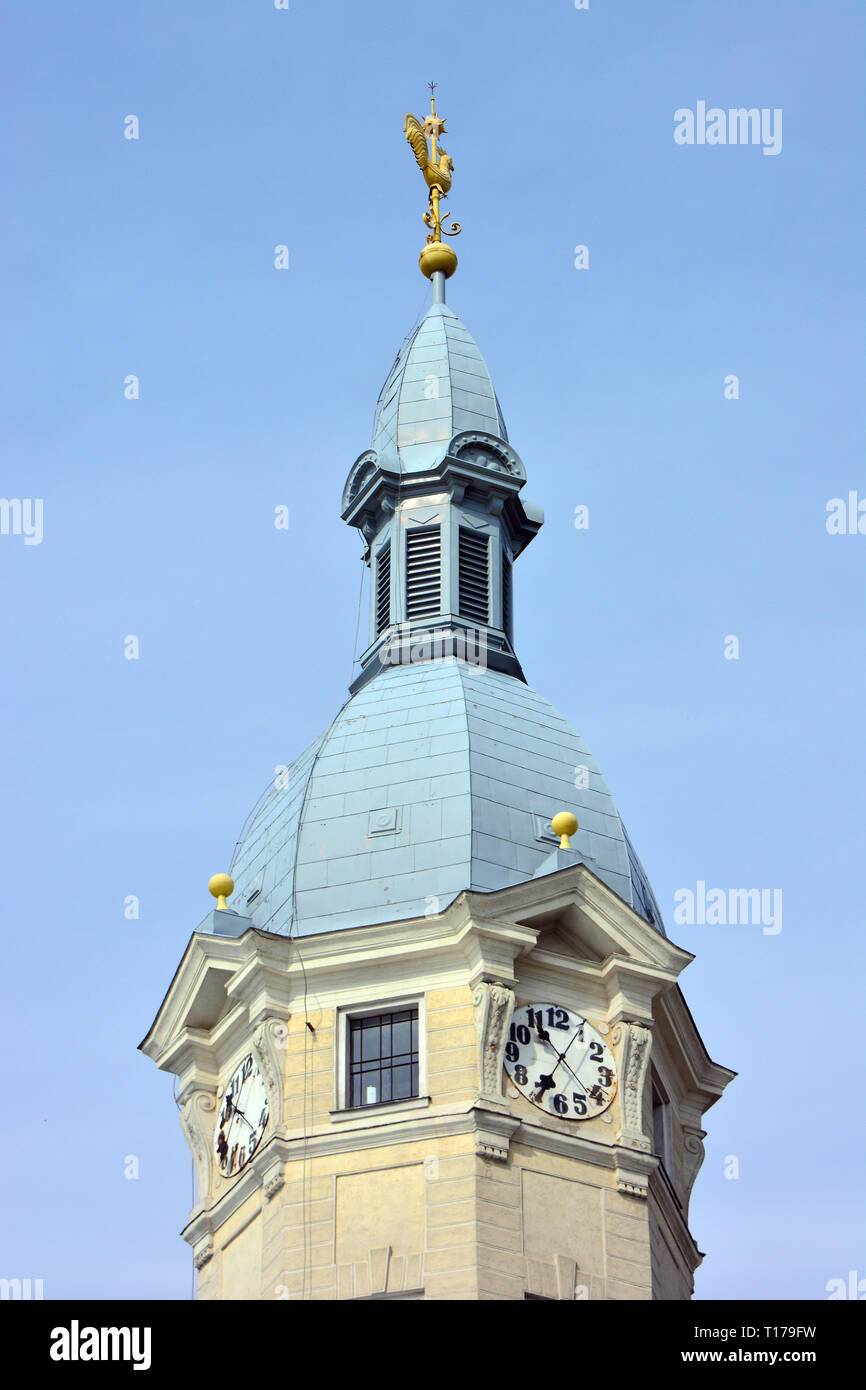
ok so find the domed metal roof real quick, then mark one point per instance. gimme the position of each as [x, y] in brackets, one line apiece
[434, 778]
[438, 386]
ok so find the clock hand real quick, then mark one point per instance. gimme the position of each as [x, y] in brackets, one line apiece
[561, 1055]
[545, 1083]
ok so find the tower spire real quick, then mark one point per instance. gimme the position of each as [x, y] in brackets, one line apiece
[438, 260]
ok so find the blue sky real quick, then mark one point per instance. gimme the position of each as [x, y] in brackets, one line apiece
[257, 388]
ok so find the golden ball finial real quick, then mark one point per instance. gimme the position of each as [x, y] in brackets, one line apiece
[564, 824]
[222, 887]
[437, 256]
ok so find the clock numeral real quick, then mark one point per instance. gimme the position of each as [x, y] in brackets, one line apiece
[557, 1018]
[263, 1118]
[579, 1103]
[512, 1051]
[560, 1104]
[605, 1077]
[520, 1075]
[596, 1051]
[520, 1033]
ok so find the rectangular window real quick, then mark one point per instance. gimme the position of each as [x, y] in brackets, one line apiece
[383, 589]
[423, 572]
[383, 1057]
[662, 1136]
[474, 569]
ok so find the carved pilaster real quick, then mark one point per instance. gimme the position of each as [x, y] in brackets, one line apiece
[197, 1122]
[494, 1005]
[634, 1060]
[269, 1048]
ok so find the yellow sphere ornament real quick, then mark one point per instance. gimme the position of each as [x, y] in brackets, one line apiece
[437, 256]
[222, 887]
[564, 824]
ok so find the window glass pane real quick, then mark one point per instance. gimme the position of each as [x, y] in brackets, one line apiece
[402, 1038]
[402, 1082]
[386, 1086]
[370, 1043]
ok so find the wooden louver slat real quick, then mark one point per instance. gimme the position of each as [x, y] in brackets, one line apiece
[423, 572]
[474, 573]
[383, 589]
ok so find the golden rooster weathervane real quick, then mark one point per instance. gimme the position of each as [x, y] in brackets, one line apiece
[436, 165]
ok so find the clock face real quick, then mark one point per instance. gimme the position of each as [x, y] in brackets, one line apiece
[243, 1117]
[560, 1062]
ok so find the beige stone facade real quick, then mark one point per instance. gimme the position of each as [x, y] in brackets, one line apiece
[468, 1191]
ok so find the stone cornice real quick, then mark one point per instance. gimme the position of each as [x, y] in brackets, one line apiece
[674, 1221]
[367, 505]
[702, 1080]
[494, 1127]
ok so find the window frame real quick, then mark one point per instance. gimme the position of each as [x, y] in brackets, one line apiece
[476, 534]
[348, 1012]
[662, 1123]
[428, 529]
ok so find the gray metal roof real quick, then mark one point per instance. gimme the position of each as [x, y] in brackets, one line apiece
[438, 386]
[434, 778]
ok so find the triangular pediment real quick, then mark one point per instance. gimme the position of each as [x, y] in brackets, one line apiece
[197, 997]
[578, 916]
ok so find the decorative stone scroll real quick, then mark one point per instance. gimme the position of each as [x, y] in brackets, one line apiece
[197, 1122]
[269, 1047]
[694, 1154]
[636, 1043]
[494, 1005]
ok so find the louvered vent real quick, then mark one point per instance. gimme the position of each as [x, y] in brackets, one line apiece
[474, 576]
[423, 573]
[506, 596]
[383, 589]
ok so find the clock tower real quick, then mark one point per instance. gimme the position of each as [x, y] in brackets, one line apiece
[431, 1043]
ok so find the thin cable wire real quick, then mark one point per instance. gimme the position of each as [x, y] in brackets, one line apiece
[295, 936]
[174, 1096]
[358, 618]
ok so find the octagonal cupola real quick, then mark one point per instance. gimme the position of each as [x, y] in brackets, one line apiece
[437, 500]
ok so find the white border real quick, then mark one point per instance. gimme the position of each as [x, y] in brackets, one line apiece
[388, 1005]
